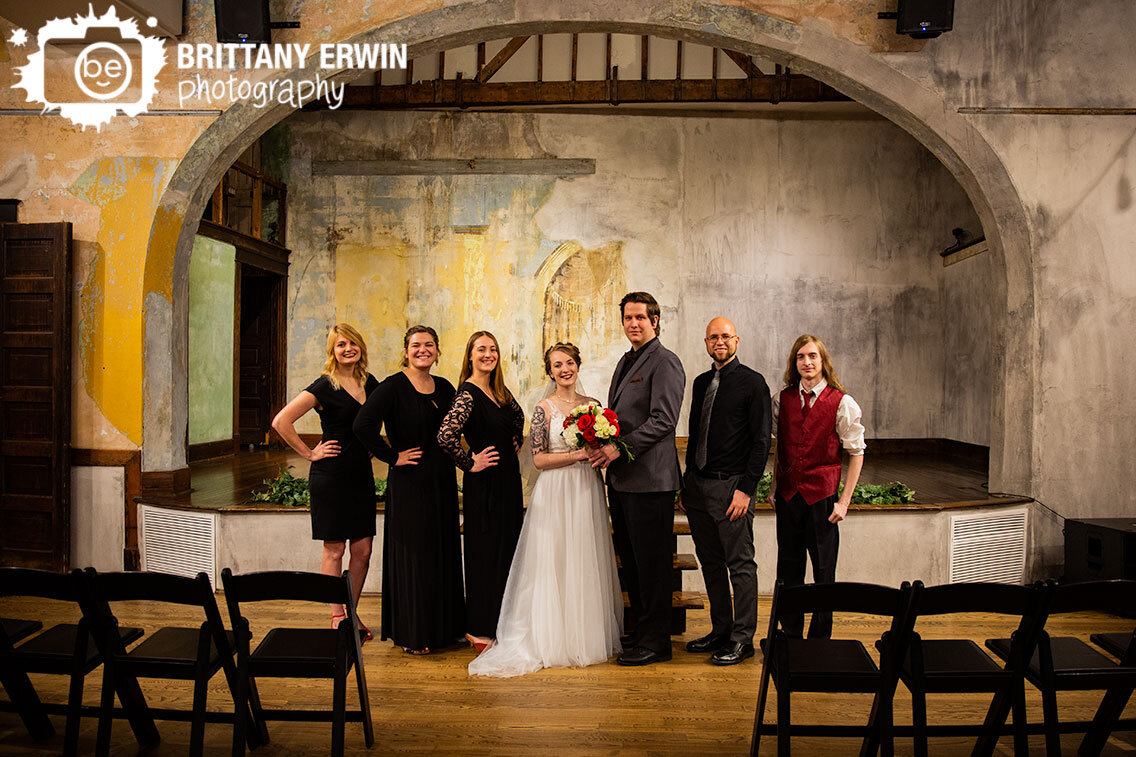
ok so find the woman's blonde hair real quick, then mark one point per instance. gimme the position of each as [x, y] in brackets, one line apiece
[793, 377]
[330, 368]
[501, 392]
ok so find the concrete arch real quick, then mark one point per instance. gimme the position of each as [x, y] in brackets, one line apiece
[808, 49]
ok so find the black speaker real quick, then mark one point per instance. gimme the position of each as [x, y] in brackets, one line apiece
[1100, 548]
[923, 19]
[242, 21]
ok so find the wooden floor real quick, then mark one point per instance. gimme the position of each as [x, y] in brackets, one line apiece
[938, 480]
[430, 704]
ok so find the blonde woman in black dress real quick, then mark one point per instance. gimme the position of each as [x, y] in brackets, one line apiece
[340, 480]
[422, 606]
[492, 422]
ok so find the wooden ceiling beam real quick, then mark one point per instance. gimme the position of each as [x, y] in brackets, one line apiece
[451, 93]
[500, 59]
[744, 62]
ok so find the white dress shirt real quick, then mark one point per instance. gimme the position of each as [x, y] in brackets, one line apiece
[849, 427]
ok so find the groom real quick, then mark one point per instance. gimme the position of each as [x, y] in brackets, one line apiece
[646, 393]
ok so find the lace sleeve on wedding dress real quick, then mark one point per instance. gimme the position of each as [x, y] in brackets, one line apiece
[449, 435]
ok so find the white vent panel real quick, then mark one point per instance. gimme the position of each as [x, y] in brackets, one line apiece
[178, 541]
[988, 547]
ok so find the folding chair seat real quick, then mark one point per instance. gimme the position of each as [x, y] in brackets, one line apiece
[1069, 664]
[191, 654]
[17, 629]
[941, 666]
[64, 649]
[298, 652]
[833, 665]
[1113, 643]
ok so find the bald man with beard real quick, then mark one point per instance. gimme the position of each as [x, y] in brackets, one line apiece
[730, 422]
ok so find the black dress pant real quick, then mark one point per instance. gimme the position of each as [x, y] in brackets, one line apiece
[804, 529]
[643, 530]
[725, 551]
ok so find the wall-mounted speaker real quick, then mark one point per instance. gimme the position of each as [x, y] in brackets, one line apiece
[923, 19]
[242, 21]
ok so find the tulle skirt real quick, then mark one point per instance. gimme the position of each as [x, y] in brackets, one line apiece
[562, 605]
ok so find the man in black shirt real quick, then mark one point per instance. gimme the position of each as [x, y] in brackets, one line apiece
[730, 420]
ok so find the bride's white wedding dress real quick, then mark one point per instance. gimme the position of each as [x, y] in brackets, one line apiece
[562, 604]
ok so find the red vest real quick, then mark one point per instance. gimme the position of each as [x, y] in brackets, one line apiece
[808, 448]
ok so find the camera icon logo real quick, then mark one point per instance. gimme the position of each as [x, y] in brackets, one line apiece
[93, 67]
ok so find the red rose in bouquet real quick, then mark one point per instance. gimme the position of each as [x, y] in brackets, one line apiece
[593, 425]
[587, 426]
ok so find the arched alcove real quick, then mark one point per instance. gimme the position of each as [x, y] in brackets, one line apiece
[843, 65]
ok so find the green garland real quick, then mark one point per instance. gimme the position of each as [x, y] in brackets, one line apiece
[292, 491]
[893, 493]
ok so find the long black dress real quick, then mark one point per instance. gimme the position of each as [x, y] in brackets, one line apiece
[492, 500]
[422, 603]
[342, 487]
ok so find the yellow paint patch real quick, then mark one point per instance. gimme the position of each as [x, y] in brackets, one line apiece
[161, 252]
[111, 328]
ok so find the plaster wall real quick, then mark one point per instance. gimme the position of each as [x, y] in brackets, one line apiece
[98, 524]
[1075, 174]
[212, 272]
[785, 226]
[248, 542]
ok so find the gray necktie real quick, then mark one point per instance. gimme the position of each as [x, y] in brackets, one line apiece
[704, 421]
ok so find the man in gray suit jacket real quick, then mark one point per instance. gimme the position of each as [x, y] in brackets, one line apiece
[646, 392]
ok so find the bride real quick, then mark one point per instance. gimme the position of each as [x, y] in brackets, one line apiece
[562, 603]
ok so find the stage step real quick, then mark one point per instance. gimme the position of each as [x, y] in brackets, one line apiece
[681, 562]
[680, 600]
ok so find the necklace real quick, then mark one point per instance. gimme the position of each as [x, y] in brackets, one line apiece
[573, 403]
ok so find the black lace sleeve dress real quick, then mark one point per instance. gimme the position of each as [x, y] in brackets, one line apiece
[492, 499]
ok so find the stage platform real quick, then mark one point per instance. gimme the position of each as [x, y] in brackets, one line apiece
[939, 537]
[943, 475]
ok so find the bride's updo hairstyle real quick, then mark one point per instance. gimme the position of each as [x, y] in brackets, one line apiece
[567, 348]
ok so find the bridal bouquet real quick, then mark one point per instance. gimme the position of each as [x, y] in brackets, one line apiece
[594, 425]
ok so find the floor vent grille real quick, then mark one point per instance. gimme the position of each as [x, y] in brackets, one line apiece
[988, 547]
[178, 542]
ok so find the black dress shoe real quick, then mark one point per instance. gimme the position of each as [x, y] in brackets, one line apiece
[643, 656]
[732, 653]
[709, 643]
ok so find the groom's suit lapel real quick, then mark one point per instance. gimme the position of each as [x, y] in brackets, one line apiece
[636, 370]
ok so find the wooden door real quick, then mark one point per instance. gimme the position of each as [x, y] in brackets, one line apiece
[35, 395]
[260, 352]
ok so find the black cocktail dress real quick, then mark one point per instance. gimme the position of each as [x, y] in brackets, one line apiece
[342, 487]
[422, 602]
[492, 500]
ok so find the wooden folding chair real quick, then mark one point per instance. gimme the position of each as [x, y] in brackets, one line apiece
[193, 654]
[1067, 663]
[64, 649]
[298, 652]
[941, 666]
[833, 665]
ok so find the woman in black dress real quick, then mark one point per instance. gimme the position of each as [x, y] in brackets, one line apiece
[422, 604]
[493, 423]
[340, 480]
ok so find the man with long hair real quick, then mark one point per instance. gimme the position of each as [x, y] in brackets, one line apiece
[814, 419]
